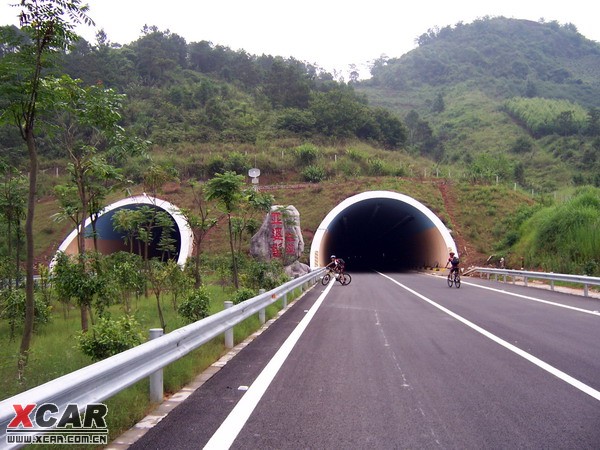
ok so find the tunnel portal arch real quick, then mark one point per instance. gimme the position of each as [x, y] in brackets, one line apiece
[111, 241]
[382, 230]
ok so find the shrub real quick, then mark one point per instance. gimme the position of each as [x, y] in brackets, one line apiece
[242, 295]
[12, 308]
[238, 163]
[307, 154]
[349, 169]
[265, 275]
[376, 167]
[314, 174]
[195, 306]
[356, 155]
[215, 166]
[109, 337]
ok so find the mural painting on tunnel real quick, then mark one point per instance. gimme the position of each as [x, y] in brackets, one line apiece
[382, 230]
[111, 240]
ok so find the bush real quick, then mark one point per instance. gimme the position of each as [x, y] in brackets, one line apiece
[215, 166]
[12, 308]
[356, 155]
[314, 174]
[109, 337]
[307, 154]
[238, 163]
[376, 167]
[195, 306]
[242, 295]
[265, 275]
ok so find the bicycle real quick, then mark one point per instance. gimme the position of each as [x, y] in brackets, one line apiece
[344, 278]
[454, 278]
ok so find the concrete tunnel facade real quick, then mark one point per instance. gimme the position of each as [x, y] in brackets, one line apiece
[112, 241]
[382, 230]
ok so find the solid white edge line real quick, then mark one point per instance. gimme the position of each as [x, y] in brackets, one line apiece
[538, 362]
[230, 428]
[547, 302]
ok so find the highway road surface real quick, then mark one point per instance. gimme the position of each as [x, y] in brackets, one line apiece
[401, 361]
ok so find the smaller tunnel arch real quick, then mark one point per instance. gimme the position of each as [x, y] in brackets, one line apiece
[111, 241]
[382, 230]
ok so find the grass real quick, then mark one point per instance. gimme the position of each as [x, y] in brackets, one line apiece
[54, 353]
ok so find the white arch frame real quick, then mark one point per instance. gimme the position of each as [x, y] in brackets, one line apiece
[187, 238]
[368, 195]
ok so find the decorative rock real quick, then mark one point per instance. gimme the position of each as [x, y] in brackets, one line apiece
[279, 237]
[297, 269]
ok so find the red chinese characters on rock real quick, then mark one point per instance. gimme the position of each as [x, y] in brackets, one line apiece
[281, 241]
[276, 234]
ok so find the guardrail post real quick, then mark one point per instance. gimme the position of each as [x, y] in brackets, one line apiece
[525, 280]
[261, 313]
[156, 379]
[229, 332]
[284, 301]
[585, 290]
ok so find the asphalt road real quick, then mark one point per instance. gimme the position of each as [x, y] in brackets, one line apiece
[403, 361]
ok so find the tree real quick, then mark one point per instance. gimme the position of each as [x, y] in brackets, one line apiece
[593, 122]
[158, 53]
[438, 105]
[126, 270]
[158, 274]
[338, 112]
[85, 124]
[88, 123]
[226, 188]
[49, 26]
[13, 194]
[126, 221]
[200, 223]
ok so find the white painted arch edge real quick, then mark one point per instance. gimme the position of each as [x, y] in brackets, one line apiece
[187, 239]
[368, 195]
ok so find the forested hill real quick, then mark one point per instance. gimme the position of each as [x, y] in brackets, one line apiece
[497, 99]
[200, 92]
[512, 57]
[501, 99]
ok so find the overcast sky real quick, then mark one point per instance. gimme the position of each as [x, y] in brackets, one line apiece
[328, 33]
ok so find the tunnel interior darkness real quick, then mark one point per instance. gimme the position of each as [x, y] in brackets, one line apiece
[111, 240]
[383, 231]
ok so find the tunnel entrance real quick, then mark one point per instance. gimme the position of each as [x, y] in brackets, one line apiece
[382, 230]
[111, 241]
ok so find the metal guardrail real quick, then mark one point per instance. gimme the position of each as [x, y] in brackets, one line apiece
[586, 281]
[101, 380]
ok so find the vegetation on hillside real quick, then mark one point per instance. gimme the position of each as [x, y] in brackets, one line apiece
[527, 90]
[562, 237]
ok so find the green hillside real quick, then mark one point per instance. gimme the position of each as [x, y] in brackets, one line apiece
[458, 93]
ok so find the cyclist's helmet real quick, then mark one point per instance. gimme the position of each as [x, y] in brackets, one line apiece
[332, 256]
[451, 253]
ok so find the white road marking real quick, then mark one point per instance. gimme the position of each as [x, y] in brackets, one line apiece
[538, 362]
[237, 418]
[534, 299]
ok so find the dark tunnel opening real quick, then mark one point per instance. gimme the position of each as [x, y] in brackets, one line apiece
[383, 233]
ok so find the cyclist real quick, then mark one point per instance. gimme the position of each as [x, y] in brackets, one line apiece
[454, 262]
[336, 264]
